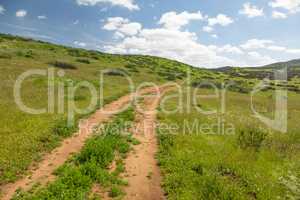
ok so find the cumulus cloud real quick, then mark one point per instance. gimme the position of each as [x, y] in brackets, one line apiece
[2, 9]
[129, 4]
[172, 20]
[207, 29]
[80, 44]
[122, 26]
[220, 19]
[215, 36]
[256, 44]
[292, 6]
[42, 17]
[260, 60]
[21, 13]
[166, 42]
[228, 48]
[251, 11]
[278, 15]
[183, 45]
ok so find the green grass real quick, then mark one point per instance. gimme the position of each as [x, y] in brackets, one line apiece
[254, 163]
[24, 137]
[90, 166]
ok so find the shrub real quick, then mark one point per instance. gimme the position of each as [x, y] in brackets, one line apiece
[26, 54]
[115, 192]
[251, 137]
[116, 72]
[5, 55]
[77, 53]
[83, 60]
[61, 128]
[131, 67]
[62, 65]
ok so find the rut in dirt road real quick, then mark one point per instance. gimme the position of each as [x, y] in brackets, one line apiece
[142, 171]
[43, 172]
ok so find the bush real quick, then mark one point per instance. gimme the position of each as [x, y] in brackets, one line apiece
[115, 192]
[77, 53]
[62, 65]
[61, 128]
[83, 60]
[251, 137]
[26, 54]
[116, 72]
[5, 55]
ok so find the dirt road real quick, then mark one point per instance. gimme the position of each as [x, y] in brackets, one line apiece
[142, 171]
[50, 162]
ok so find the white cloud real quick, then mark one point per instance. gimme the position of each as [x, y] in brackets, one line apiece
[207, 29]
[220, 19]
[251, 11]
[21, 13]
[42, 17]
[2, 9]
[276, 48]
[293, 51]
[122, 25]
[215, 36]
[80, 44]
[169, 43]
[292, 6]
[228, 48]
[184, 46]
[256, 44]
[172, 20]
[260, 60]
[129, 4]
[278, 15]
[268, 45]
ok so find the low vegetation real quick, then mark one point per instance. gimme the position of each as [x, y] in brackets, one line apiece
[77, 177]
[24, 137]
[252, 162]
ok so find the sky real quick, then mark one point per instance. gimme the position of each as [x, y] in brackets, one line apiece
[202, 33]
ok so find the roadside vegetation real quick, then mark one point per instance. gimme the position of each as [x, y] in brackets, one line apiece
[90, 167]
[247, 161]
[24, 137]
[252, 163]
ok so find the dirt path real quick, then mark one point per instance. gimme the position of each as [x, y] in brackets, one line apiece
[142, 171]
[43, 172]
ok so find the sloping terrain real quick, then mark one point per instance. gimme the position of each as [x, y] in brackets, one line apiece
[24, 137]
[247, 161]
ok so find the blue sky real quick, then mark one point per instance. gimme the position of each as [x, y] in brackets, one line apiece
[204, 33]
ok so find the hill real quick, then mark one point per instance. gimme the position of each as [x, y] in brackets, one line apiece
[24, 137]
[267, 71]
[292, 64]
[216, 149]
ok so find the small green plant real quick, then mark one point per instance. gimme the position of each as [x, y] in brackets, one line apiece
[63, 65]
[115, 192]
[4, 55]
[83, 60]
[62, 129]
[251, 137]
[117, 72]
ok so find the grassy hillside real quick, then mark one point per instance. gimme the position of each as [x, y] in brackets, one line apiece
[260, 73]
[254, 163]
[198, 162]
[23, 137]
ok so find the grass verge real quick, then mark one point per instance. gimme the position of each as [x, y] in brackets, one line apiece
[77, 176]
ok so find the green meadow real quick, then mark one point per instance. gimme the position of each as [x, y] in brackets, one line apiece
[226, 154]
[25, 137]
[247, 160]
